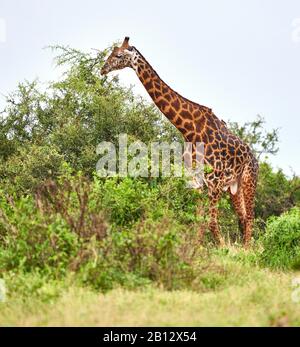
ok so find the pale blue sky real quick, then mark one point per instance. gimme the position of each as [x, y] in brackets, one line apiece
[241, 58]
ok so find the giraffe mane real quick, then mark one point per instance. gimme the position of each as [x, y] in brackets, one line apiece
[174, 91]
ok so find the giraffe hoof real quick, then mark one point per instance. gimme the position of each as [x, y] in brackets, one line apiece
[247, 244]
[222, 243]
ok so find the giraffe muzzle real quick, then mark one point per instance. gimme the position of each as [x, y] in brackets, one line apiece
[104, 70]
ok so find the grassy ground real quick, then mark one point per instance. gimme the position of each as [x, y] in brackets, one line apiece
[235, 292]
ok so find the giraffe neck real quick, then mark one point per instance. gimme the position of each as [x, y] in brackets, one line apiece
[188, 117]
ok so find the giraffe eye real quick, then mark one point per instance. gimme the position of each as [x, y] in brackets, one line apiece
[119, 55]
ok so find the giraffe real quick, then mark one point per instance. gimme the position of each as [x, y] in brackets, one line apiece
[234, 166]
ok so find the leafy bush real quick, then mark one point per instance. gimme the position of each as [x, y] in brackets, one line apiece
[148, 252]
[281, 241]
[25, 170]
[31, 287]
[51, 231]
[276, 193]
[109, 232]
[31, 240]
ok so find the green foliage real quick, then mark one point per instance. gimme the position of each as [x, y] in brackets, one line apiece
[147, 252]
[281, 241]
[110, 232]
[276, 193]
[30, 166]
[30, 287]
[30, 240]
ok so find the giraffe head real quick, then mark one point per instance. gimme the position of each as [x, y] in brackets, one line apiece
[119, 58]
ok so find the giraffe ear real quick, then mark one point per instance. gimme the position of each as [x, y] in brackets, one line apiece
[125, 43]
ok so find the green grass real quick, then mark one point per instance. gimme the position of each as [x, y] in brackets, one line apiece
[231, 291]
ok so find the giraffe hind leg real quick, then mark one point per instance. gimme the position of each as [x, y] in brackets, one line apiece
[249, 181]
[249, 194]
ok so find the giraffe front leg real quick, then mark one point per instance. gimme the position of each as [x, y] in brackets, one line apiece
[213, 214]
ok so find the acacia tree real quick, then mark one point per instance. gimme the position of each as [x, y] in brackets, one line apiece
[41, 129]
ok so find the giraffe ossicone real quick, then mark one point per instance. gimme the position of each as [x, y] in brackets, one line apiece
[234, 166]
